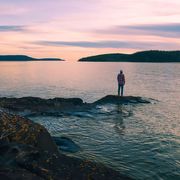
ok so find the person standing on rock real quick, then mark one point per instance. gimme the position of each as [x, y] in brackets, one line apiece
[121, 83]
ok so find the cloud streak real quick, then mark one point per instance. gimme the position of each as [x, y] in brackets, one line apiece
[163, 30]
[172, 27]
[12, 28]
[108, 44]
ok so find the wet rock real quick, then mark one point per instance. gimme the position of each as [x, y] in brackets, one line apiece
[66, 144]
[20, 174]
[112, 99]
[35, 104]
[24, 161]
[20, 130]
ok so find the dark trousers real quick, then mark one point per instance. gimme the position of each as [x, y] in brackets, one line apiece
[120, 89]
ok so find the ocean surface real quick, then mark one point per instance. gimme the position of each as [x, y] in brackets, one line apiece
[141, 141]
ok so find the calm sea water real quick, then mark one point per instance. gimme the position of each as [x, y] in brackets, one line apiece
[141, 141]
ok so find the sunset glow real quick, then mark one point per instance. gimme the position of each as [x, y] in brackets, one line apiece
[74, 29]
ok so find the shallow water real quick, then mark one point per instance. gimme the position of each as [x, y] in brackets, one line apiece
[141, 141]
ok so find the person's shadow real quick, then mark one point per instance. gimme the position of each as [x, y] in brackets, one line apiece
[121, 114]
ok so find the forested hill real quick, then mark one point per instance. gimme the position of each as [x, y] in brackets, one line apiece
[143, 56]
[24, 58]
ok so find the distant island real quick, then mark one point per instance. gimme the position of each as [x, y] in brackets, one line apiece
[25, 58]
[143, 56]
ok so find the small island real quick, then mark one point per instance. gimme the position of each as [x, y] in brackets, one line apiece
[25, 58]
[152, 56]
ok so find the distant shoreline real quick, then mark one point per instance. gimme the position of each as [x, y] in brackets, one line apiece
[19, 58]
[145, 62]
[152, 56]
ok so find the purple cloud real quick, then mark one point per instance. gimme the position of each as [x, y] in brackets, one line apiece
[110, 44]
[12, 28]
[164, 30]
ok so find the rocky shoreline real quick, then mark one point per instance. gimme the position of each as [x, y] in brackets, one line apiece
[35, 106]
[27, 151]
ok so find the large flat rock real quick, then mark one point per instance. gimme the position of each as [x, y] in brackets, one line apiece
[112, 99]
[36, 103]
[34, 106]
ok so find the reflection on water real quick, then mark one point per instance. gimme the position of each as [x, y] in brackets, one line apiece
[118, 120]
[142, 141]
[123, 112]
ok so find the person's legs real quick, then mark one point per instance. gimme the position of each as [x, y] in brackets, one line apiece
[118, 89]
[122, 90]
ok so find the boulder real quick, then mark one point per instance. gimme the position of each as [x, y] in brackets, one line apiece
[20, 130]
[66, 144]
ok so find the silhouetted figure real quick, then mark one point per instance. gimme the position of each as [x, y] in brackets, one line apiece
[121, 82]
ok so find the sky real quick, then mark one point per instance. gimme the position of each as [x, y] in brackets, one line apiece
[71, 29]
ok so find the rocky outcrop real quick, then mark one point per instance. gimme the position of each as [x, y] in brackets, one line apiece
[27, 151]
[39, 104]
[34, 106]
[20, 130]
[111, 99]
